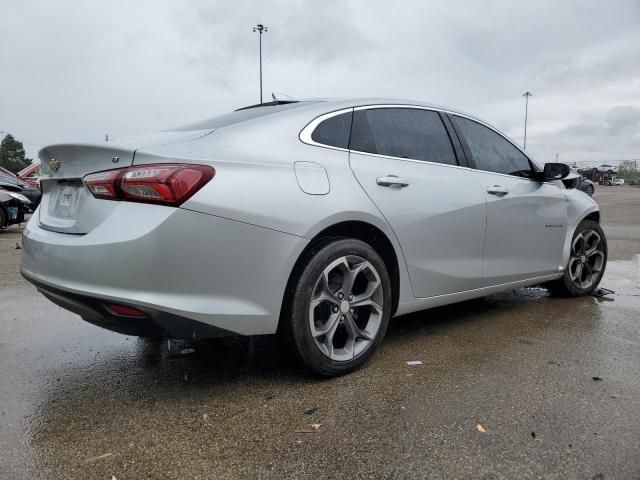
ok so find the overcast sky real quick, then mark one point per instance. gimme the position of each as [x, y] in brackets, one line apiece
[75, 70]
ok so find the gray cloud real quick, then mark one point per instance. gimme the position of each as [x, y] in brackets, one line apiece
[621, 120]
[77, 70]
[614, 135]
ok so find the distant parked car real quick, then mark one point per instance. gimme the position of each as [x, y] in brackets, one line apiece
[587, 186]
[30, 178]
[604, 168]
[13, 206]
[616, 182]
[31, 174]
[16, 184]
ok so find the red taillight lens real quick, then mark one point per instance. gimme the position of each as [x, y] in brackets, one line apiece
[165, 184]
[103, 184]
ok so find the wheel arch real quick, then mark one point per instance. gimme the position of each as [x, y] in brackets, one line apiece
[582, 212]
[595, 216]
[360, 230]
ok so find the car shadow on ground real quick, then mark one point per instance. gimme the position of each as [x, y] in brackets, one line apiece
[170, 367]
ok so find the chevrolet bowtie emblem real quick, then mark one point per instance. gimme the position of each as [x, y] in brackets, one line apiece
[54, 165]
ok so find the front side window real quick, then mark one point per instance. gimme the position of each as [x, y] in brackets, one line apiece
[334, 131]
[491, 151]
[411, 133]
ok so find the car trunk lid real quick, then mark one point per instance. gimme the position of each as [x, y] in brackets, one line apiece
[67, 206]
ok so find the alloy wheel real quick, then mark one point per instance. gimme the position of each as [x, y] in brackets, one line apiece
[587, 259]
[346, 308]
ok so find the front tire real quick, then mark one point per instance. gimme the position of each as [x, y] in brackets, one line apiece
[338, 310]
[586, 264]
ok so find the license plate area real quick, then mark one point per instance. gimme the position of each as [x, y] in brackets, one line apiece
[65, 199]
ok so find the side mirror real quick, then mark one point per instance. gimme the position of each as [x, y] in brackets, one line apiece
[554, 171]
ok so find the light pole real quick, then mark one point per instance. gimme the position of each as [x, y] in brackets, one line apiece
[260, 29]
[526, 95]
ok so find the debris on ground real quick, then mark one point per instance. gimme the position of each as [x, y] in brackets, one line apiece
[596, 379]
[311, 428]
[600, 293]
[414, 362]
[18, 247]
[480, 428]
[99, 457]
[314, 425]
[533, 434]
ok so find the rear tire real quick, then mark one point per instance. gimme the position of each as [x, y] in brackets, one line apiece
[338, 307]
[587, 262]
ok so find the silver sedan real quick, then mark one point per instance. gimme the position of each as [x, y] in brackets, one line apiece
[318, 220]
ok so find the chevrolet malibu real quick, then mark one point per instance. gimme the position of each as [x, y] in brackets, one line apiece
[318, 220]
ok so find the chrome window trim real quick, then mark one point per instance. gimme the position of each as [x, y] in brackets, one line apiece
[305, 134]
[307, 131]
[423, 162]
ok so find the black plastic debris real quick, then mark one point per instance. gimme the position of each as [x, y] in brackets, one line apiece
[597, 379]
[600, 294]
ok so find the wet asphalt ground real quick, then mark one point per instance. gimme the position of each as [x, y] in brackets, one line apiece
[553, 383]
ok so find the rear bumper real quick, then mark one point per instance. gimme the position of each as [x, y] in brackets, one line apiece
[192, 273]
[156, 323]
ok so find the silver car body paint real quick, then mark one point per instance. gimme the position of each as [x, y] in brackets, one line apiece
[224, 257]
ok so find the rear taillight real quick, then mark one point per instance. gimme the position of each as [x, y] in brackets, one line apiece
[165, 184]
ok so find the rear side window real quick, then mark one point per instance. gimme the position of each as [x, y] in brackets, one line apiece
[334, 131]
[491, 151]
[410, 133]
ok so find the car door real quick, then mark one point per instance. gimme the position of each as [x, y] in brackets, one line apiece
[404, 160]
[526, 218]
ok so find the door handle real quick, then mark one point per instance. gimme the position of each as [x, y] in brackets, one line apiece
[497, 190]
[391, 181]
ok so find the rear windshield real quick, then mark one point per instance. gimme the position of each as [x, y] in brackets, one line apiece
[239, 116]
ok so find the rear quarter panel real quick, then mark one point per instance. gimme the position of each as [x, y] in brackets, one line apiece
[255, 180]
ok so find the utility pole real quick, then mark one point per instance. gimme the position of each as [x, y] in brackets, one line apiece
[556, 158]
[526, 95]
[260, 28]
